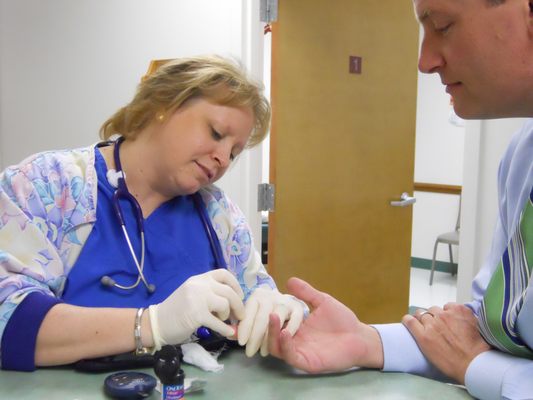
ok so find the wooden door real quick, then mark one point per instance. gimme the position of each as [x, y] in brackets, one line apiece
[342, 148]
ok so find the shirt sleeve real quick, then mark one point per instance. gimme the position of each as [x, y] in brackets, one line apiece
[402, 354]
[29, 263]
[500, 239]
[20, 334]
[42, 201]
[482, 279]
[494, 375]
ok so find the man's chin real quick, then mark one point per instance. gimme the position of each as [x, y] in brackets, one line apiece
[470, 113]
[476, 110]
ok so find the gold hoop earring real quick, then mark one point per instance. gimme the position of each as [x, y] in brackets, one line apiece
[161, 117]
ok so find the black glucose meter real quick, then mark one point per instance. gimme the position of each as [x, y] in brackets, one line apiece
[129, 385]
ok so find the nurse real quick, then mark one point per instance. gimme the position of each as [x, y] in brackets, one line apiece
[128, 245]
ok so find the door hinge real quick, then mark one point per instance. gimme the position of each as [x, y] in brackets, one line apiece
[265, 197]
[268, 10]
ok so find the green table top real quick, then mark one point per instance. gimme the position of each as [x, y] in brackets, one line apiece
[242, 378]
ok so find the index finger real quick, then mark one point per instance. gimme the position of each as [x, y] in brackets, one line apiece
[235, 302]
[219, 326]
[304, 291]
[224, 276]
[413, 325]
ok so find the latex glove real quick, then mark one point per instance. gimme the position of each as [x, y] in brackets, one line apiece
[253, 329]
[202, 300]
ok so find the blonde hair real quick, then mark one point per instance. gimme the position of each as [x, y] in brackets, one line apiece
[215, 78]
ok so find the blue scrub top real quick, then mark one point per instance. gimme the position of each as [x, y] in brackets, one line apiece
[177, 247]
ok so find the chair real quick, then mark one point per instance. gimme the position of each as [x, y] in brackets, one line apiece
[449, 238]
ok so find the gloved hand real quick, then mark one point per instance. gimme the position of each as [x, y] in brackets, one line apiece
[202, 300]
[253, 329]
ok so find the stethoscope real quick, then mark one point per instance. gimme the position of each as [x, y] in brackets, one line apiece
[117, 179]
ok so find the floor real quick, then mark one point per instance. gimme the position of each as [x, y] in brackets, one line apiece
[443, 290]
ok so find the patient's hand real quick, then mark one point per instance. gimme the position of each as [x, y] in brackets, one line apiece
[331, 339]
[448, 337]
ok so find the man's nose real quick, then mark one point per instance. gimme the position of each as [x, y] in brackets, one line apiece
[431, 59]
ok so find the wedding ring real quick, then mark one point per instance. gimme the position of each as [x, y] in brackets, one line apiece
[424, 313]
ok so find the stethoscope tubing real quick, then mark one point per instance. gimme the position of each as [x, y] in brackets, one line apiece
[122, 192]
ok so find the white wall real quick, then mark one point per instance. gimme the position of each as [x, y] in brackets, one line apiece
[65, 66]
[438, 159]
[433, 214]
[439, 143]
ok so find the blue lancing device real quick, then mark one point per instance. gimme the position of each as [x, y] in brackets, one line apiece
[203, 333]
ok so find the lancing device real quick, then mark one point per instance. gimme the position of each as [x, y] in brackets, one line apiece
[167, 368]
[203, 333]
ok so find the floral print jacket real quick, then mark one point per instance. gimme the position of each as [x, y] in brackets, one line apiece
[48, 208]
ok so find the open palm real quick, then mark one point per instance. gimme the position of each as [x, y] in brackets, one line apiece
[331, 339]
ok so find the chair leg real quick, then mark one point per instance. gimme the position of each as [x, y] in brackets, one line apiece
[451, 259]
[433, 263]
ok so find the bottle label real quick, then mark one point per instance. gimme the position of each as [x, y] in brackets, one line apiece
[172, 392]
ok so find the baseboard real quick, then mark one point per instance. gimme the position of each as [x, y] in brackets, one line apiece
[442, 266]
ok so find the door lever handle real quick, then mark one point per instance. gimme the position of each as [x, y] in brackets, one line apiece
[406, 200]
